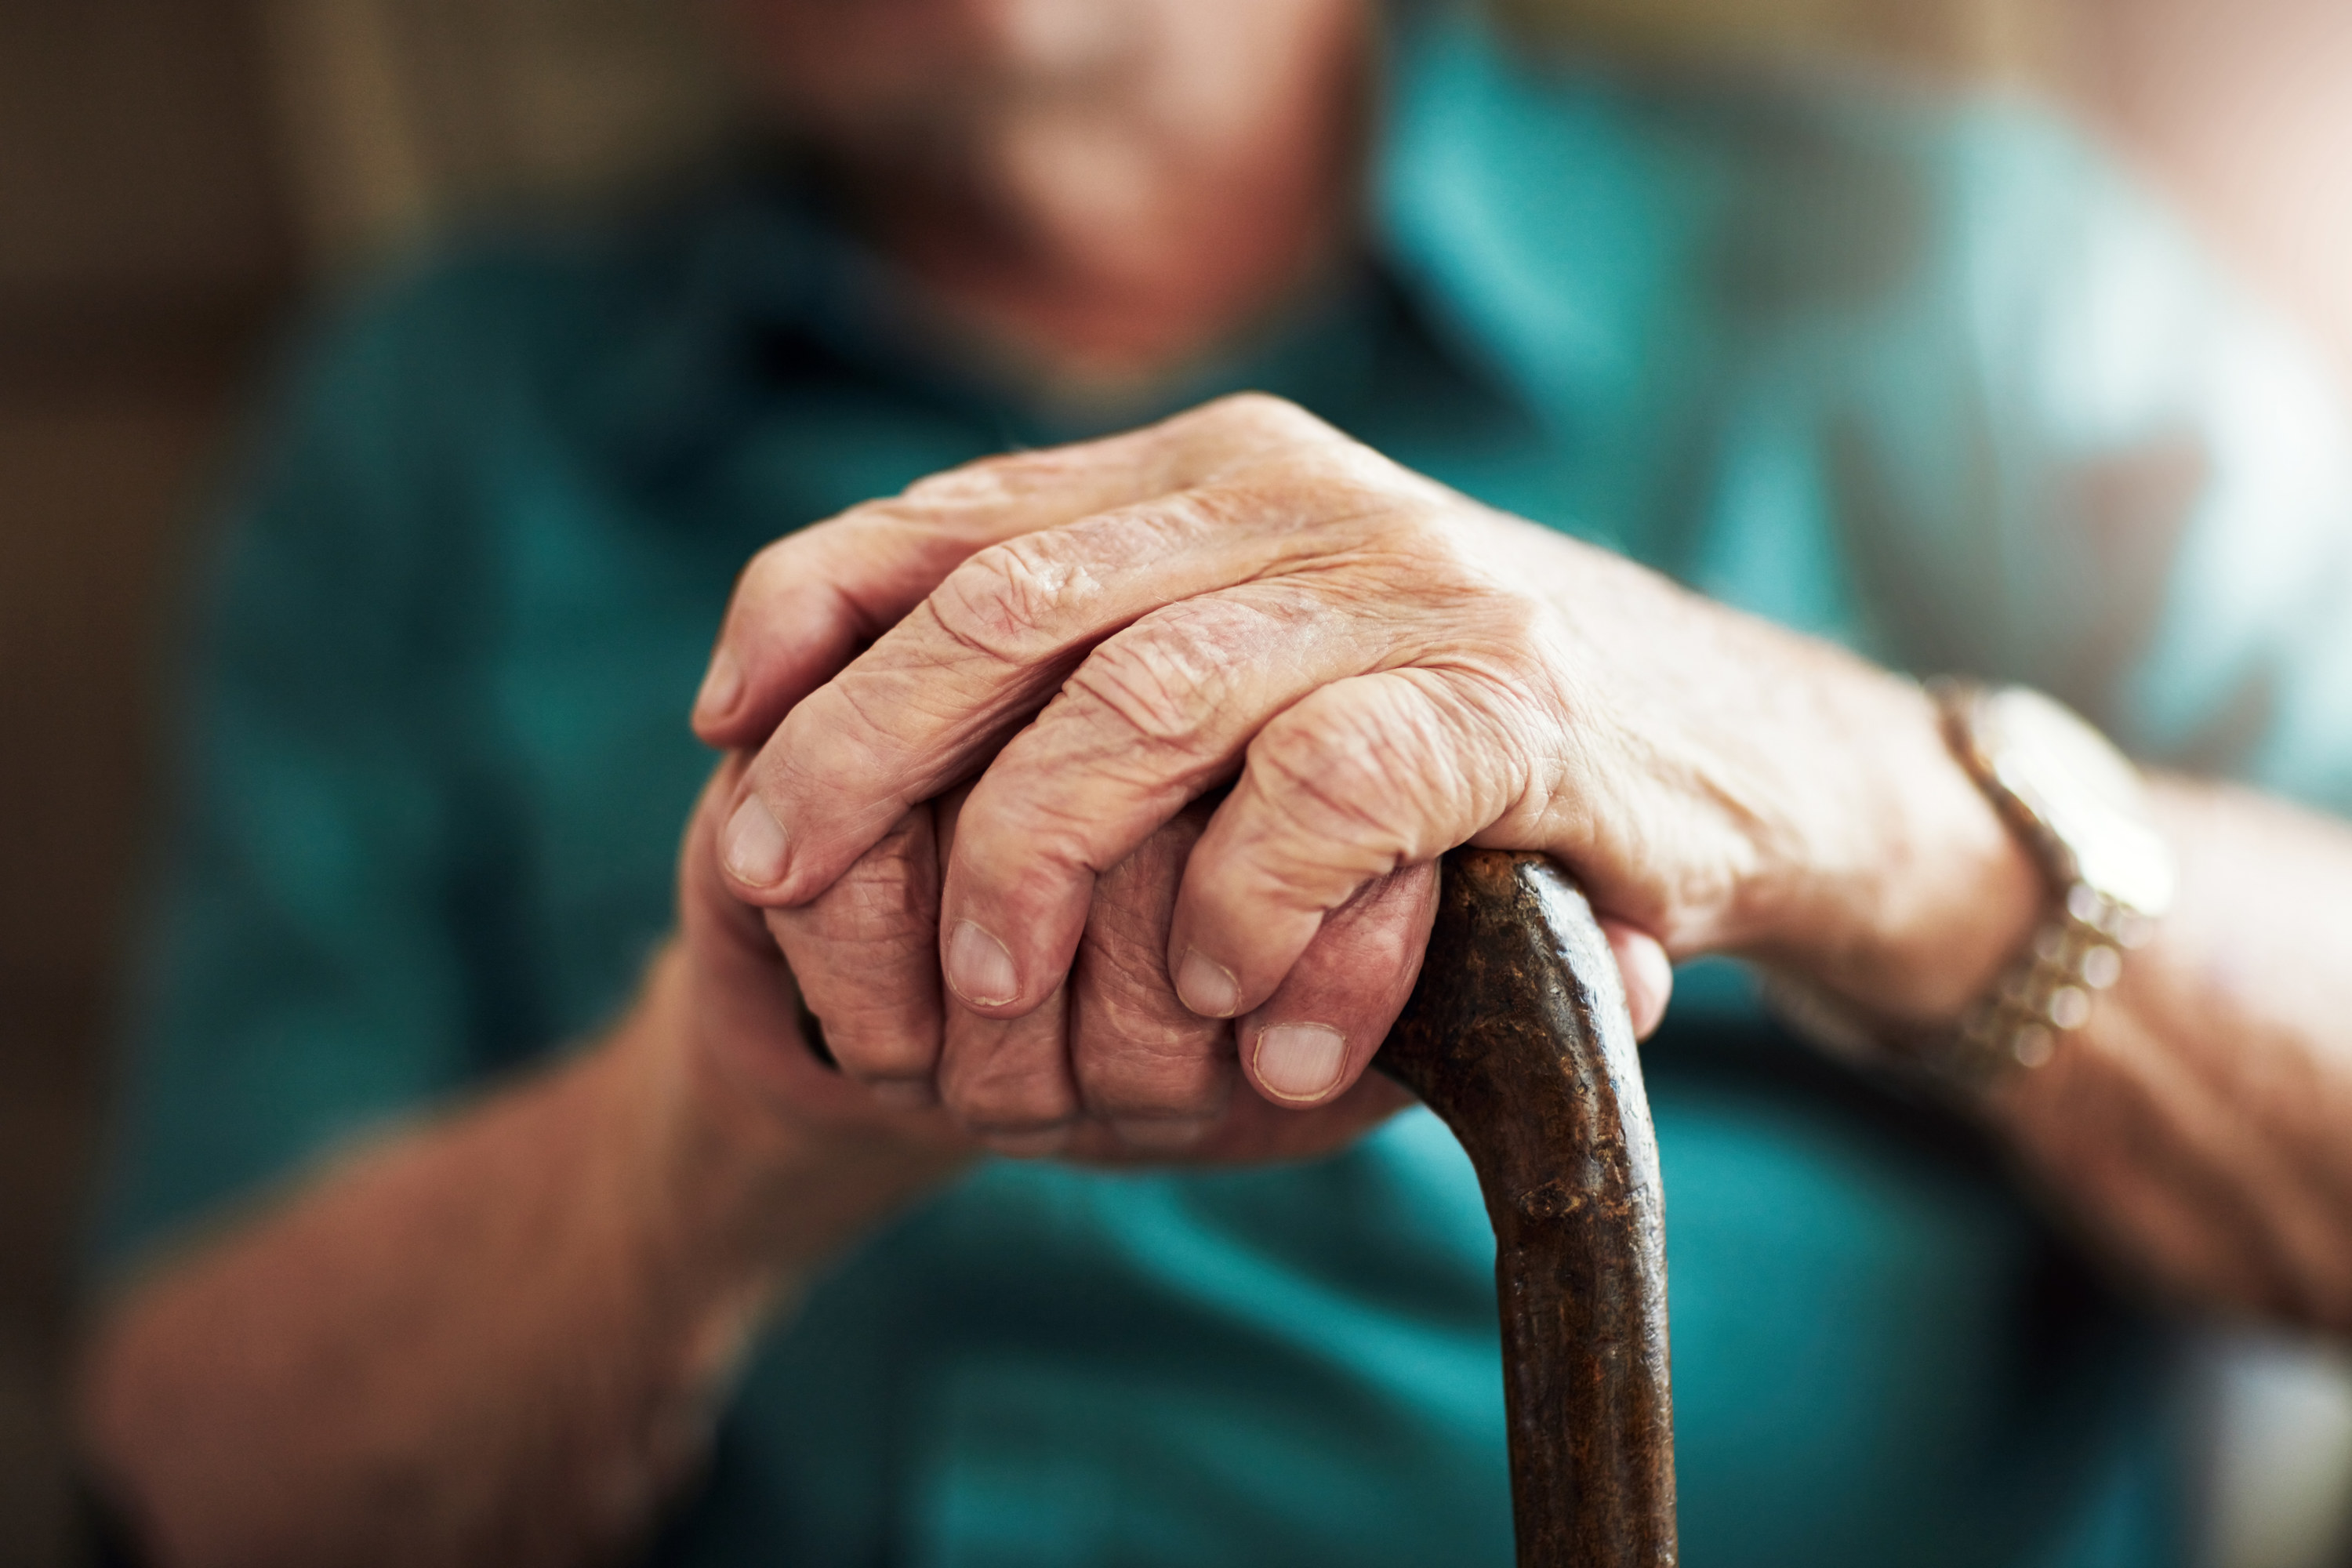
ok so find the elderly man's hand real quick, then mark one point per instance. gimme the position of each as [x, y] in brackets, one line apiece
[865, 954]
[1379, 668]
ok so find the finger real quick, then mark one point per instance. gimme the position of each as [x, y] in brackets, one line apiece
[1318, 1031]
[1647, 973]
[807, 602]
[1156, 1072]
[745, 1002]
[865, 953]
[1362, 778]
[942, 691]
[1006, 1079]
[1152, 718]
[730, 934]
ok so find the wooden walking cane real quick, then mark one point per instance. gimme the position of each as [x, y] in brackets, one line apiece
[1518, 1036]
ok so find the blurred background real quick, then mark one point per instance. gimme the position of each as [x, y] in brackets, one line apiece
[174, 174]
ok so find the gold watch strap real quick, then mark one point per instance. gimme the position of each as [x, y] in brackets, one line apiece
[2045, 992]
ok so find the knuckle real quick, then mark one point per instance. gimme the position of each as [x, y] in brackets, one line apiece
[975, 483]
[1166, 681]
[1362, 949]
[1264, 414]
[1449, 569]
[1347, 758]
[1007, 1091]
[1139, 1054]
[1240, 502]
[1021, 843]
[830, 736]
[860, 724]
[997, 480]
[851, 530]
[880, 1021]
[1518, 625]
[1358, 779]
[1141, 1077]
[1142, 531]
[1005, 601]
[773, 572]
[887, 899]
[873, 1043]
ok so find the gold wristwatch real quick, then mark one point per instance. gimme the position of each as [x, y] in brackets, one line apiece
[2079, 805]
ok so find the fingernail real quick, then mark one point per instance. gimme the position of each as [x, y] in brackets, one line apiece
[1036, 1145]
[1161, 1132]
[1206, 986]
[980, 968]
[754, 845]
[1299, 1061]
[1655, 978]
[722, 685]
[904, 1093]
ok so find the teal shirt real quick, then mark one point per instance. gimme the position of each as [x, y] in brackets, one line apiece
[1925, 380]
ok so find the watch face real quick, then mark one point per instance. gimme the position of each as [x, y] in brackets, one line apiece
[2081, 792]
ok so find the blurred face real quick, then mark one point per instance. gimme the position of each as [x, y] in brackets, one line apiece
[1160, 148]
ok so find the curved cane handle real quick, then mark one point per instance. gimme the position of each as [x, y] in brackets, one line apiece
[1518, 1036]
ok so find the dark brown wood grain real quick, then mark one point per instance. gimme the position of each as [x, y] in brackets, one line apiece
[1518, 1036]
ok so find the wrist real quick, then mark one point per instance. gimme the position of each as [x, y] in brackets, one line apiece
[1915, 916]
[726, 1189]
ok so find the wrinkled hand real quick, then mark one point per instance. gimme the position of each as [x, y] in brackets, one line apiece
[864, 955]
[1379, 668]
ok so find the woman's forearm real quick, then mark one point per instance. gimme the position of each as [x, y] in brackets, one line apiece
[2202, 1120]
[496, 1338]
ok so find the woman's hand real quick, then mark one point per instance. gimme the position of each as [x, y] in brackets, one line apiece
[1379, 669]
